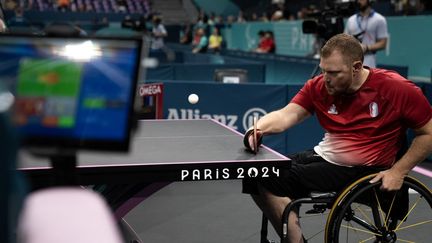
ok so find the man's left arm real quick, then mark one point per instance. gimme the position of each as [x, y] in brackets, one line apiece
[420, 148]
[381, 36]
[379, 45]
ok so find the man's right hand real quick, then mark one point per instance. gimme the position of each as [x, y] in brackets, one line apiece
[248, 139]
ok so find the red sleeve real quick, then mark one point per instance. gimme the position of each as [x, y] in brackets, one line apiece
[415, 108]
[304, 97]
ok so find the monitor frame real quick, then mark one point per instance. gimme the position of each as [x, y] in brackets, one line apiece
[52, 145]
[231, 75]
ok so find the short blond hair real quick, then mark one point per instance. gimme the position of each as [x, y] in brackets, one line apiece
[347, 45]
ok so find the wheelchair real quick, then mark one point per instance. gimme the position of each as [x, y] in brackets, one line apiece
[364, 213]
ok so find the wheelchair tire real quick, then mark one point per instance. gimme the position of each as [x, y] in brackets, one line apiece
[364, 213]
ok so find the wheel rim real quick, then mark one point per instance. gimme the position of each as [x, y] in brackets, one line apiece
[353, 220]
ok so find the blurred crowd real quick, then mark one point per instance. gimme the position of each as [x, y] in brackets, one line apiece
[206, 33]
[287, 10]
[99, 6]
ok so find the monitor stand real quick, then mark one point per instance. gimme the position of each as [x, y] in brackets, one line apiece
[64, 169]
[63, 162]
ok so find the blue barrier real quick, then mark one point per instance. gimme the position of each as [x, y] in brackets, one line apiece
[202, 72]
[214, 59]
[280, 69]
[164, 57]
[402, 70]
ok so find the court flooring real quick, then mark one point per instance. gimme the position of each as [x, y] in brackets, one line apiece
[210, 212]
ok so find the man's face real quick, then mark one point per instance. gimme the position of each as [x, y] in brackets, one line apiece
[362, 4]
[338, 75]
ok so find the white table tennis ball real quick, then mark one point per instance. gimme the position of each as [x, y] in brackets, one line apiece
[193, 98]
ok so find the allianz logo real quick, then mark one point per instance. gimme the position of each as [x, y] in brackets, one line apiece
[230, 120]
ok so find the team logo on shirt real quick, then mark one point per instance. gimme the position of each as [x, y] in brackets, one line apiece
[332, 110]
[373, 109]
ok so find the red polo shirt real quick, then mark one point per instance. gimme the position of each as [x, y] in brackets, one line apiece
[365, 128]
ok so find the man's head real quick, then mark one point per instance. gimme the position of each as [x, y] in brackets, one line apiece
[200, 32]
[341, 64]
[363, 4]
[156, 20]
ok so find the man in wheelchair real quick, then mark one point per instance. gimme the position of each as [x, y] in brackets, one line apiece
[365, 113]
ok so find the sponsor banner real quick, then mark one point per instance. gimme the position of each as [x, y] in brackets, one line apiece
[150, 102]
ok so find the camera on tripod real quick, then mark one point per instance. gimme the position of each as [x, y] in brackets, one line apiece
[329, 22]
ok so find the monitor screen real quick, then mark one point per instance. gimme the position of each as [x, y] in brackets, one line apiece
[74, 92]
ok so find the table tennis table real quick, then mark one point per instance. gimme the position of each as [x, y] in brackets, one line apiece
[163, 151]
[169, 150]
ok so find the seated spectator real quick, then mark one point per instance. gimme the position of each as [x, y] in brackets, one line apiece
[215, 41]
[240, 17]
[277, 16]
[264, 17]
[19, 20]
[186, 35]
[63, 5]
[10, 4]
[279, 12]
[260, 40]
[127, 22]
[201, 47]
[267, 43]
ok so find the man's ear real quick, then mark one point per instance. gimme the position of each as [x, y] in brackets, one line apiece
[357, 66]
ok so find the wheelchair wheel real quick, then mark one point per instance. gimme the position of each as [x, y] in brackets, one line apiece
[364, 213]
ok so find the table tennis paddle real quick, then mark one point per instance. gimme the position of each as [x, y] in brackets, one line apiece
[255, 136]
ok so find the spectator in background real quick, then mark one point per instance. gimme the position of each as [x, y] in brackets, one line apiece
[212, 19]
[230, 20]
[265, 17]
[254, 17]
[10, 4]
[240, 17]
[218, 20]
[412, 7]
[141, 24]
[277, 16]
[127, 22]
[202, 21]
[63, 5]
[267, 43]
[196, 38]
[280, 12]
[186, 34]
[19, 20]
[215, 41]
[370, 28]
[122, 6]
[316, 47]
[158, 33]
[260, 41]
[202, 45]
